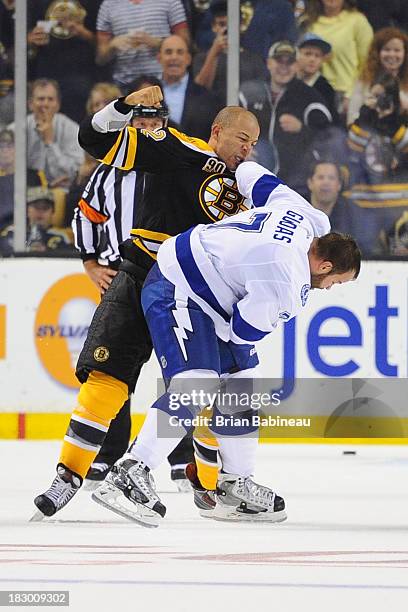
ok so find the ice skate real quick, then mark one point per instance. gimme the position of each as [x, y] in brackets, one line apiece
[128, 490]
[203, 498]
[63, 488]
[96, 475]
[178, 476]
[241, 499]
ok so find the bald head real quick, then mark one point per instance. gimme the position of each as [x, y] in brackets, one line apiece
[231, 115]
[173, 39]
[234, 133]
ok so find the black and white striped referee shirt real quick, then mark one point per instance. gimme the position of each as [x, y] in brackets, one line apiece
[106, 213]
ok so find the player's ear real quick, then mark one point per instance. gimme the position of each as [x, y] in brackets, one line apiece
[325, 267]
[215, 130]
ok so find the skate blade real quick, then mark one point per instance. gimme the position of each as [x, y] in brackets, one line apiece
[109, 496]
[233, 516]
[37, 517]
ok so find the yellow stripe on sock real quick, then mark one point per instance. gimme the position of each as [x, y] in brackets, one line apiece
[207, 474]
[76, 459]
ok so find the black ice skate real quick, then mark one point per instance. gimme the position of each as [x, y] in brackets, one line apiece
[129, 491]
[96, 475]
[241, 499]
[63, 488]
[203, 498]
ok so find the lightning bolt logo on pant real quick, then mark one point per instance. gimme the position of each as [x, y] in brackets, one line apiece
[182, 318]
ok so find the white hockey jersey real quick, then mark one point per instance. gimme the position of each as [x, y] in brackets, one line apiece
[249, 271]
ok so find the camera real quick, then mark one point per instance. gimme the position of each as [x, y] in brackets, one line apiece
[384, 101]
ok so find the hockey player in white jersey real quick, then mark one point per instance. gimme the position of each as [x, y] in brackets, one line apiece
[214, 291]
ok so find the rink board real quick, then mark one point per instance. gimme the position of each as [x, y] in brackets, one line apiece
[357, 330]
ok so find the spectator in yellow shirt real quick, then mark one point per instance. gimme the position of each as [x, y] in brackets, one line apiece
[349, 33]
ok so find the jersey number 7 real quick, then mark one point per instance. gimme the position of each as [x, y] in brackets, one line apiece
[254, 224]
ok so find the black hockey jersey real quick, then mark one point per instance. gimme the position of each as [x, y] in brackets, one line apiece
[186, 183]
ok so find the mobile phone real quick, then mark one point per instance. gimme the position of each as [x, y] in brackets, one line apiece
[47, 26]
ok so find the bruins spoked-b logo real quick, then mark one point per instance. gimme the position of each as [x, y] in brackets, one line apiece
[101, 354]
[219, 197]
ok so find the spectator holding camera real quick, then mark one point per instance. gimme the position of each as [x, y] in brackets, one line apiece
[378, 145]
[61, 38]
[388, 54]
[378, 139]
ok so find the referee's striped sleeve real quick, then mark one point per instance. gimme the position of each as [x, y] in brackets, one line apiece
[86, 234]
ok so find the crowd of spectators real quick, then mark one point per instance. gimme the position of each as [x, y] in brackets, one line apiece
[327, 80]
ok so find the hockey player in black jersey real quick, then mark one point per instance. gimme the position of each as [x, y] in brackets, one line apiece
[189, 181]
[102, 220]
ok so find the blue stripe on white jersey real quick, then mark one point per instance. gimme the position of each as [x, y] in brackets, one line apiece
[193, 275]
[263, 188]
[243, 329]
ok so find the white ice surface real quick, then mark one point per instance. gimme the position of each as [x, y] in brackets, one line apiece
[344, 546]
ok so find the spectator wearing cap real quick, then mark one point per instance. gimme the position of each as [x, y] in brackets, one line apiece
[290, 113]
[191, 106]
[41, 235]
[210, 68]
[312, 52]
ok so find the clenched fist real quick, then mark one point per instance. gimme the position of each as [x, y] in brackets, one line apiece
[148, 96]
